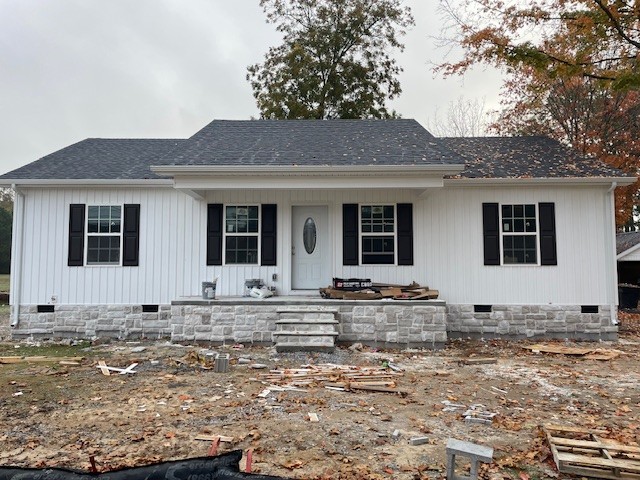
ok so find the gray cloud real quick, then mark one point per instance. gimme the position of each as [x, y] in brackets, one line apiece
[72, 69]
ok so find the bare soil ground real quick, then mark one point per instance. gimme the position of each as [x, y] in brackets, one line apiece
[56, 415]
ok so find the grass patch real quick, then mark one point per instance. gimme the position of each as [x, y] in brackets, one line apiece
[4, 282]
[5, 310]
[45, 349]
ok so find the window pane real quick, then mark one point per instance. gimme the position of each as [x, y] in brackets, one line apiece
[530, 211]
[93, 212]
[92, 226]
[103, 250]
[104, 226]
[506, 210]
[241, 249]
[518, 225]
[518, 210]
[115, 226]
[253, 226]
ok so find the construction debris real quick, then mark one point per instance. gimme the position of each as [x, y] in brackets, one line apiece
[337, 377]
[40, 359]
[364, 289]
[586, 353]
[584, 452]
[122, 371]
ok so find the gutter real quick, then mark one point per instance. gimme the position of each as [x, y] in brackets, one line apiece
[483, 182]
[65, 182]
[613, 257]
[277, 170]
[18, 237]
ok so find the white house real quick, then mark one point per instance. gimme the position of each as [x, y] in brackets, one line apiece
[114, 237]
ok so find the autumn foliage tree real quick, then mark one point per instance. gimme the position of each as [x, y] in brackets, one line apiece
[582, 112]
[335, 60]
[573, 72]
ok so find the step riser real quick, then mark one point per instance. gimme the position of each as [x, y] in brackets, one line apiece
[305, 328]
[306, 316]
[305, 340]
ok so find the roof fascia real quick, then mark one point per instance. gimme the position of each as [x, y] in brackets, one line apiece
[628, 251]
[574, 181]
[39, 182]
[331, 170]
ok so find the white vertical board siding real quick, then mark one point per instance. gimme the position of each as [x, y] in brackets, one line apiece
[631, 257]
[448, 246]
[170, 223]
[454, 247]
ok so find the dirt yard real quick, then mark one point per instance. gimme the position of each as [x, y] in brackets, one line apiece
[61, 415]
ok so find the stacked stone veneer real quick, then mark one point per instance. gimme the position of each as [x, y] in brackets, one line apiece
[88, 321]
[526, 321]
[381, 323]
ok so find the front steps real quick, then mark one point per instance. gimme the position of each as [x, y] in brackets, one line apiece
[306, 330]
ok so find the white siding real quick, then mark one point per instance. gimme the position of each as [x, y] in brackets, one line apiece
[631, 257]
[455, 250]
[447, 244]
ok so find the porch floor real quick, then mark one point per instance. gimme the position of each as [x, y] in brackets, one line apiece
[310, 299]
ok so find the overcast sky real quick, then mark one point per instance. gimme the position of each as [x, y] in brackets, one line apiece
[72, 69]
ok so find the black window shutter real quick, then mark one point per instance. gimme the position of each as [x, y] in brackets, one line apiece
[491, 233]
[405, 233]
[268, 234]
[214, 234]
[548, 254]
[76, 235]
[350, 234]
[131, 236]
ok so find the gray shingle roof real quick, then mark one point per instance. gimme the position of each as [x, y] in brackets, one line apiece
[524, 157]
[627, 240]
[314, 142]
[99, 158]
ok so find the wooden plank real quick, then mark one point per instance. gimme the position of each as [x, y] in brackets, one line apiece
[211, 438]
[623, 465]
[38, 359]
[558, 349]
[479, 361]
[103, 368]
[568, 429]
[598, 444]
[313, 417]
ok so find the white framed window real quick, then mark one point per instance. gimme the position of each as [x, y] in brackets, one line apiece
[378, 234]
[104, 234]
[241, 234]
[519, 232]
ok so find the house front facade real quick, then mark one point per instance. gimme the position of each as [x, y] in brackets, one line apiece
[115, 237]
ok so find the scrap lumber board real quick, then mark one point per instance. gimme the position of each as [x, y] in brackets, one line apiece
[38, 359]
[211, 438]
[103, 368]
[593, 457]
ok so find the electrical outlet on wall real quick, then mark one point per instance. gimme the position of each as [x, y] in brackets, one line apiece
[54, 299]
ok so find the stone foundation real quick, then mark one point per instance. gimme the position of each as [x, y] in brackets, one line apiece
[396, 324]
[531, 321]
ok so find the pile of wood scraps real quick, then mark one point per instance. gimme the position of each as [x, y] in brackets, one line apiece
[336, 377]
[377, 291]
[584, 452]
[583, 352]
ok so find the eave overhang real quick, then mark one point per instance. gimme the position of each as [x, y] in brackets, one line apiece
[227, 177]
[556, 181]
[79, 182]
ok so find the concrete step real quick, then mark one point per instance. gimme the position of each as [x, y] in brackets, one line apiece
[305, 321]
[306, 327]
[289, 333]
[306, 310]
[304, 342]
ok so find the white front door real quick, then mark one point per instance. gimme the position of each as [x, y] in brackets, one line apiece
[310, 256]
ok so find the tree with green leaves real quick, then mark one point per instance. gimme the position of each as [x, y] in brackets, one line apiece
[335, 60]
[6, 220]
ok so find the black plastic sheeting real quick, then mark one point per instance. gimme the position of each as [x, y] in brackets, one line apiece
[222, 467]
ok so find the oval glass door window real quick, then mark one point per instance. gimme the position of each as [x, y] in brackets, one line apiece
[309, 235]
